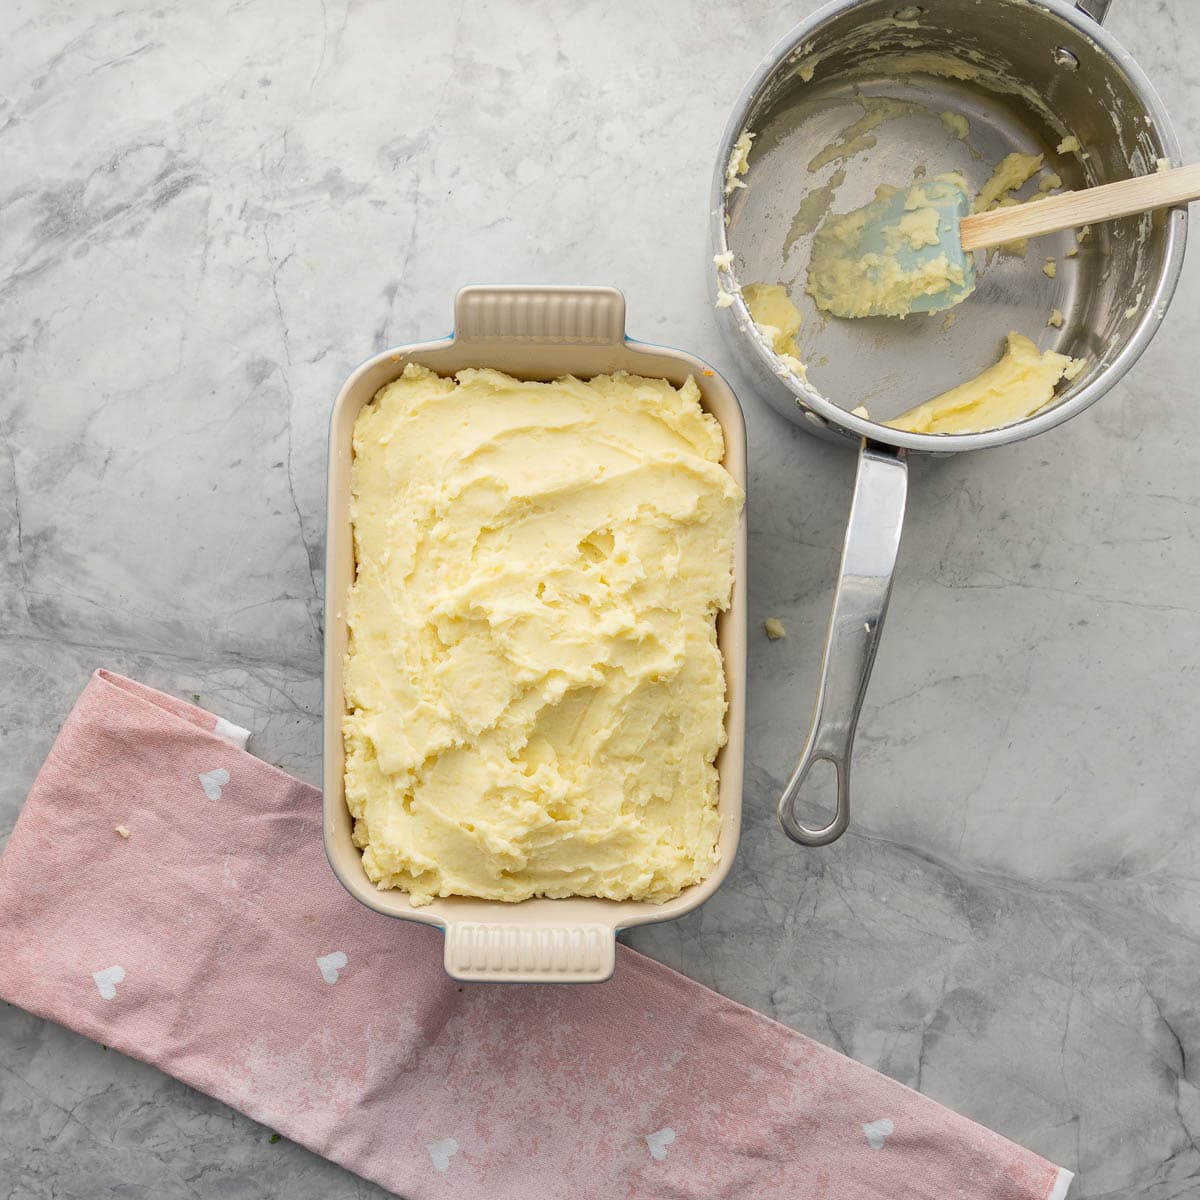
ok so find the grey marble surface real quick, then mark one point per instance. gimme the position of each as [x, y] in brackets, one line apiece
[210, 213]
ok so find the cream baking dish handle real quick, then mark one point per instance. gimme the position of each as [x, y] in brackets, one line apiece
[573, 316]
[508, 952]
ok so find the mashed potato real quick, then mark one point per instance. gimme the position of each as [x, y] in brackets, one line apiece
[534, 692]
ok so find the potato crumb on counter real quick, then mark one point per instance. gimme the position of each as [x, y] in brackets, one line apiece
[125, 833]
[774, 629]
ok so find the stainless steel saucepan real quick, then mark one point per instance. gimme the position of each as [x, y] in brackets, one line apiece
[1028, 75]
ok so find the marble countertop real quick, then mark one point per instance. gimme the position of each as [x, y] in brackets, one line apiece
[209, 214]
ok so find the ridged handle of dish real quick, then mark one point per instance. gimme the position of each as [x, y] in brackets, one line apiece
[859, 606]
[575, 316]
[502, 952]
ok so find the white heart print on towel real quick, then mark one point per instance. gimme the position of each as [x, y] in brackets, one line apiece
[878, 1132]
[658, 1141]
[213, 781]
[107, 980]
[330, 964]
[442, 1152]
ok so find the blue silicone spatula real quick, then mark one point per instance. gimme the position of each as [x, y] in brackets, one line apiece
[861, 246]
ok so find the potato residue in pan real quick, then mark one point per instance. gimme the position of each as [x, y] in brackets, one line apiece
[777, 320]
[1020, 384]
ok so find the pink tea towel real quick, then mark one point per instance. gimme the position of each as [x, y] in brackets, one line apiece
[167, 893]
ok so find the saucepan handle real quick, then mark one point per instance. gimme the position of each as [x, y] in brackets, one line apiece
[1096, 9]
[868, 562]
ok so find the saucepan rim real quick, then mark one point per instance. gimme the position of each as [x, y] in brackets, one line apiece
[830, 416]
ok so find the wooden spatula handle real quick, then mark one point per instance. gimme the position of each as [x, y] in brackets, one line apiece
[1073, 209]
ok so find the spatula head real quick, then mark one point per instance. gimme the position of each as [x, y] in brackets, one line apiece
[899, 254]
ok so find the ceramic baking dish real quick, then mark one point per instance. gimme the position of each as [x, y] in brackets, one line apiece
[532, 333]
